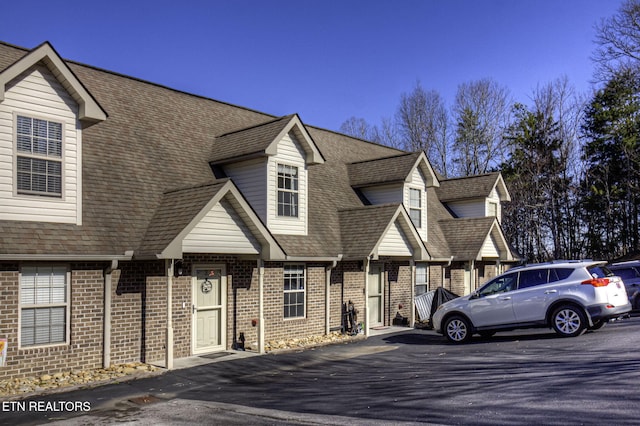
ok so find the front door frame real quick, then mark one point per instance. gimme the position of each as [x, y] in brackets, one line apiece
[223, 309]
[376, 269]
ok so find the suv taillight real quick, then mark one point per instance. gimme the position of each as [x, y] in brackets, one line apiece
[597, 282]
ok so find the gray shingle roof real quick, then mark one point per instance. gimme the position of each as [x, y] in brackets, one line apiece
[175, 211]
[156, 140]
[477, 186]
[362, 228]
[247, 141]
[381, 170]
[466, 236]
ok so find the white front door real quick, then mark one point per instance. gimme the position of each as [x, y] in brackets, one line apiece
[375, 284]
[209, 309]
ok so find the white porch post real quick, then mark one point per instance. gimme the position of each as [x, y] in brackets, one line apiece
[106, 337]
[412, 312]
[260, 267]
[169, 264]
[366, 297]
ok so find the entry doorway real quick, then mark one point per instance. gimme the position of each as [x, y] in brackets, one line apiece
[375, 304]
[209, 290]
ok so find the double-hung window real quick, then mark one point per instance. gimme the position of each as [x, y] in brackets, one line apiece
[415, 207]
[287, 190]
[39, 156]
[422, 284]
[294, 291]
[44, 304]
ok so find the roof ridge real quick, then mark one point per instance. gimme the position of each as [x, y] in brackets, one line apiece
[201, 185]
[404, 154]
[243, 129]
[470, 176]
[371, 207]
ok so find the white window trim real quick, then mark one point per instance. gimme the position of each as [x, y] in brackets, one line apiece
[297, 192]
[61, 159]
[67, 306]
[304, 290]
[418, 209]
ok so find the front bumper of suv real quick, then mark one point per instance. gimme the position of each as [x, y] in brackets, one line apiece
[606, 312]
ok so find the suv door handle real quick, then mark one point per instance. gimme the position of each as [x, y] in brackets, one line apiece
[550, 291]
[505, 298]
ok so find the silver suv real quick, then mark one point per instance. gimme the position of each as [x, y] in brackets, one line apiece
[568, 296]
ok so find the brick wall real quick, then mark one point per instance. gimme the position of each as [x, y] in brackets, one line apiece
[84, 349]
[398, 290]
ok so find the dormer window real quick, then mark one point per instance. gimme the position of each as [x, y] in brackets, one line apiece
[39, 156]
[287, 191]
[415, 207]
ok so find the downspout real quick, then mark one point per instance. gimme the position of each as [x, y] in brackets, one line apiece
[260, 266]
[412, 315]
[366, 297]
[106, 329]
[472, 276]
[169, 265]
[444, 273]
[327, 297]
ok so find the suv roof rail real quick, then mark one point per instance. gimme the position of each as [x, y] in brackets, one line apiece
[624, 262]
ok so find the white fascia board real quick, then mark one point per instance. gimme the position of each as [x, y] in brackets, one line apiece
[89, 109]
[501, 187]
[313, 154]
[271, 249]
[420, 252]
[425, 167]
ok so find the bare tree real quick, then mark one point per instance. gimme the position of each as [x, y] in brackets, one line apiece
[423, 121]
[359, 128]
[481, 111]
[618, 40]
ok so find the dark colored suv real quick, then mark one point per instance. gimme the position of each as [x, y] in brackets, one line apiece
[630, 274]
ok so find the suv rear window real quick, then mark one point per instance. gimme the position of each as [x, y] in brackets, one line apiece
[558, 274]
[598, 271]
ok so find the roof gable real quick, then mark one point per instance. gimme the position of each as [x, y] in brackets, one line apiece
[366, 230]
[470, 187]
[396, 169]
[262, 140]
[467, 237]
[89, 109]
[182, 211]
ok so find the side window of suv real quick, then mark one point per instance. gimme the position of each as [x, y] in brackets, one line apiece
[500, 284]
[533, 277]
[559, 274]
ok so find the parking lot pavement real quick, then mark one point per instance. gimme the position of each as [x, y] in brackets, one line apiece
[407, 377]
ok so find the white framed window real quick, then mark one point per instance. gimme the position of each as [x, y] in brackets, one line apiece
[39, 156]
[422, 278]
[294, 291]
[493, 209]
[287, 190]
[44, 305]
[415, 207]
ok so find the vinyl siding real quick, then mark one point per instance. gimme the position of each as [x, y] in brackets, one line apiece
[221, 231]
[289, 153]
[494, 198]
[383, 194]
[474, 208]
[418, 181]
[395, 243]
[489, 249]
[36, 93]
[251, 179]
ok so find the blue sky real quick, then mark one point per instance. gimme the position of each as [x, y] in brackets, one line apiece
[327, 60]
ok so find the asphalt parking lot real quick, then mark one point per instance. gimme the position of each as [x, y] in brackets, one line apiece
[408, 377]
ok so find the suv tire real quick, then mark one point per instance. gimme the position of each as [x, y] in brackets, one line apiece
[568, 321]
[457, 329]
